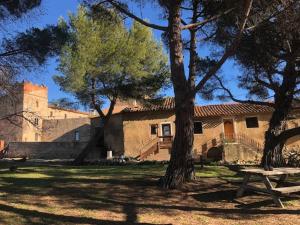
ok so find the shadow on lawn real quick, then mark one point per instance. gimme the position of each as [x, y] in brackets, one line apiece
[31, 215]
[127, 195]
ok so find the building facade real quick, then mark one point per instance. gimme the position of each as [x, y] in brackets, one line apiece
[230, 132]
[27, 117]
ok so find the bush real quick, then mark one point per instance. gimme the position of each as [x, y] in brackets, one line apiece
[292, 158]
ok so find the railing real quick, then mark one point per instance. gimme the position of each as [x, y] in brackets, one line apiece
[230, 138]
[151, 150]
[214, 142]
[243, 139]
[148, 144]
[154, 145]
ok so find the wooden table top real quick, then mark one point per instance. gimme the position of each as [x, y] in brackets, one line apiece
[276, 171]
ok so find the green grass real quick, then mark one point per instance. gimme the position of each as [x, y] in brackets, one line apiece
[61, 194]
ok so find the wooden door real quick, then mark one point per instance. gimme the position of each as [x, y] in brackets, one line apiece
[166, 132]
[229, 130]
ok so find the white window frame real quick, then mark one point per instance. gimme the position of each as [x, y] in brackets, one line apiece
[77, 135]
[160, 128]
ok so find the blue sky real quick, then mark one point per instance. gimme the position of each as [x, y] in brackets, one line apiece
[51, 10]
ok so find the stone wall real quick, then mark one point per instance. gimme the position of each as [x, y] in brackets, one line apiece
[63, 130]
[234, 152]
[45, 150]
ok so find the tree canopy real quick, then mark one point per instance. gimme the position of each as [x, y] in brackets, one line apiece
[17, 8]
[270, 59]
[105, 61]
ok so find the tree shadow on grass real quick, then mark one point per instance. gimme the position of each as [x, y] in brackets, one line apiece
[39, 218]
[126, 195]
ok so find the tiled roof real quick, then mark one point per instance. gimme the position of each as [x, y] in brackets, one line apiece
[166, 104]
[67, 110]
[230, 109]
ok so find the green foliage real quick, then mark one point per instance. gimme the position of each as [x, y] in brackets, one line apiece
[65, 103]
[105, 59]
[16, 7]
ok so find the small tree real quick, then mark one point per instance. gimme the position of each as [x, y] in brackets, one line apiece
[103, 61]
[270, 56]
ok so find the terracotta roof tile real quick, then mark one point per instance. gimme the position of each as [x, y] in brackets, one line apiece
[206, 111]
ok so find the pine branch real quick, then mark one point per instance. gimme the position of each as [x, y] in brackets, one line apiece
[230, 95]
[118, 6]
[202, 23]
[230, 51]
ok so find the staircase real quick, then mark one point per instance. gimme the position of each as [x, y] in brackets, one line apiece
[232, 148]
[157, 149]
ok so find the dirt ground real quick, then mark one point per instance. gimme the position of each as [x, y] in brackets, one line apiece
[130, 195]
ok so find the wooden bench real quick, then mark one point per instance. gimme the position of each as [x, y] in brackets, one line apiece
[269, 189]
[286, 190]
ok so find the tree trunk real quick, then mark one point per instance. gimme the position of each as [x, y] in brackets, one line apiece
[283, 99]
[181, 166]
[273, 156]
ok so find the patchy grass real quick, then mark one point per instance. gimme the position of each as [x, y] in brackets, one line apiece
[60, 194]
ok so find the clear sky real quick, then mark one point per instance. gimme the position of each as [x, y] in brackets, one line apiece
[49, 13]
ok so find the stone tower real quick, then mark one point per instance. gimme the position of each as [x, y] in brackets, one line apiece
[35, 108]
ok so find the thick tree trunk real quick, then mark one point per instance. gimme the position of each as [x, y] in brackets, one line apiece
[181, 166]
[273, 147]
[283, 99]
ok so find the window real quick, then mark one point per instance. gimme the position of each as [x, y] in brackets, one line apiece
[51, 114]
[198, 127]
[36, 121]
[166, 129]
[153, 129]
[36, 138]
[65, 116]
[252, 122]
[77, 135]
[37, 104]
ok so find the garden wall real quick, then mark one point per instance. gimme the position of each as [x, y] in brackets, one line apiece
[45, 150]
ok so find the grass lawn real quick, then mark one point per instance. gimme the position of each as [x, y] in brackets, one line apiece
[60, 194]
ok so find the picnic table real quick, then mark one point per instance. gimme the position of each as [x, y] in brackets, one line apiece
[264, 176]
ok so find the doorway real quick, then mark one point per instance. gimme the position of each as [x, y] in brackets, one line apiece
[166, 132]
[228, 129]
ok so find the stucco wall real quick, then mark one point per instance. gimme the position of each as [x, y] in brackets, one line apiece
[113, 134]
[212, 128]
[255, 133]
[240, 153]
[56, 113]
[63, 130]
[136, 128]
[45, 150]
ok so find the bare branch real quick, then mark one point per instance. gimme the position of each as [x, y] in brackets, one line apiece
[230, 95]
[136, 18]
[285, 135]
[230, 51]
[201, 23]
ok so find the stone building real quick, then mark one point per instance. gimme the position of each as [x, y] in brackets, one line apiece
[230, 132]
[29, 124]
[33, 118]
